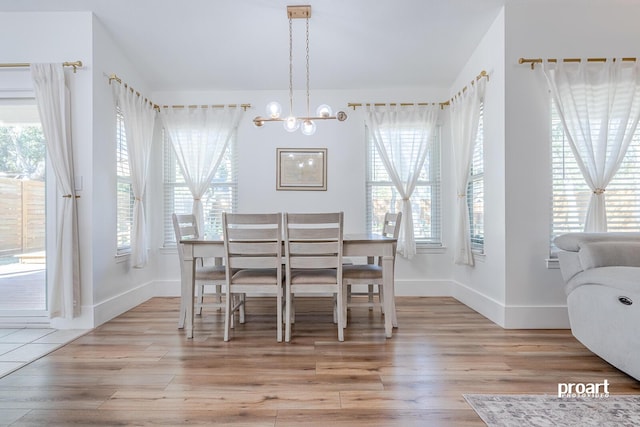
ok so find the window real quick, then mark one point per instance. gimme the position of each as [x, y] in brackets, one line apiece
[221, 196]
[124, 193]
[475, 190]
[571, 194]
[382, 195]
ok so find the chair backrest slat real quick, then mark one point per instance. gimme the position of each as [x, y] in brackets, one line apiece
[252, 240]
[236, 262]
[325, 261]
[314, 240]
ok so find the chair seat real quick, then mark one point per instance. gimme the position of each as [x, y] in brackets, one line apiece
[256, 276]
[211, 272]
[313, 276]
[362, 271]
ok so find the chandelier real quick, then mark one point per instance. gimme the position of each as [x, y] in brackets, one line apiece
[274, 109]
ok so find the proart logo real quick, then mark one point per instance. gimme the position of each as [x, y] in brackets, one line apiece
[595, 390]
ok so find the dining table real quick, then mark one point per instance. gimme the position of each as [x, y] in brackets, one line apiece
[354, 245]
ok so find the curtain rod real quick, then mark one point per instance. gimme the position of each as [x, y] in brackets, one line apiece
[74, 64]
[534, 61]
[482, 74]
[119, 80]
[157, 107]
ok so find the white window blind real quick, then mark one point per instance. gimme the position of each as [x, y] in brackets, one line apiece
[221, 196]
[475, 189]
[124, 192]
[571, 194]
[382, 196]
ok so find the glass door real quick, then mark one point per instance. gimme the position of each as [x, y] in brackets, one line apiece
[22, 211]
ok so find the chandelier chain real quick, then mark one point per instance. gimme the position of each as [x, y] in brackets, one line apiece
[308, 96]
[290, 67]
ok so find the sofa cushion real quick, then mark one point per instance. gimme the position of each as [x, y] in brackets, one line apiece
[605, 254]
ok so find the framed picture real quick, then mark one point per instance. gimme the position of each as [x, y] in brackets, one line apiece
[301, 169]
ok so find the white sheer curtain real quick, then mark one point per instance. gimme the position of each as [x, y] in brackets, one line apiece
[402, 136]
[139, 119]
[599, 106]
[200, 136]
[52, 97]
[465, 116]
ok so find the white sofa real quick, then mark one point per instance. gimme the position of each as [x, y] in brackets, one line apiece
[602, 276]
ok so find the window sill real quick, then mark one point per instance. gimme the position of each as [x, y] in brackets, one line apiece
[430, 249]
[552, 263]
[168, 250]
[122, 257]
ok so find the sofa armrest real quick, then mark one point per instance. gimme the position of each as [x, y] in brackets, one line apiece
[569, 264]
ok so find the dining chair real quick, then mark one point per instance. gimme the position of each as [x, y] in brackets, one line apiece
[253, 259]
[370, 274]
[313, 249]
[185, 226]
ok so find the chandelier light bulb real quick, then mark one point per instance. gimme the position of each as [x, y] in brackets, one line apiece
[274, 109]
[323, 111]
[308, 127]
[291, 124]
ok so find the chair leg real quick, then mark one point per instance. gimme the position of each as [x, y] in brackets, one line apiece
[344, 308]
[218, 295]
[183, 314]
[279, 316]
[200, 299]
[370, 296]
[243, 300]
[287, 316]
[227, 316]
[339, 310]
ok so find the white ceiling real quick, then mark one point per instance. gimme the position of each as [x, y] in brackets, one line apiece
[243, 44]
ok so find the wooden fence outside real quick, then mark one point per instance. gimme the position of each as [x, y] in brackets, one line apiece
[22, 216]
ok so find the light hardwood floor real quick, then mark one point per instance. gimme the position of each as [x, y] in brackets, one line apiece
[139, 369]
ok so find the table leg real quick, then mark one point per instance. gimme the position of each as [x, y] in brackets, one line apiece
[187, 292]
[389, 298]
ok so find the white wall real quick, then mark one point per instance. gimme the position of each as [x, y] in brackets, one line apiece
[117, 286]
[482, 286]
[546, 29]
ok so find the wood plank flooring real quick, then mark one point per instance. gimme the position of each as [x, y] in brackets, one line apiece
[139, 369]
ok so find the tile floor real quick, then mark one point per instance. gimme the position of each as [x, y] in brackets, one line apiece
[20, 346]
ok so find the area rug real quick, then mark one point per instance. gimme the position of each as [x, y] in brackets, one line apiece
[549, 410]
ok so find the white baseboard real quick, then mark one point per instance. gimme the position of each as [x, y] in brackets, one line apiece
[512, 316]
[537, 317]
[487, 306]
[115, 306]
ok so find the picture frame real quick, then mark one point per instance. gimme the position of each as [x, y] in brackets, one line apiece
[301, 169]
